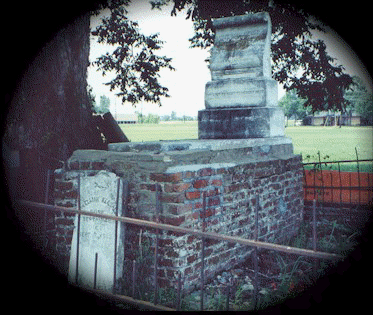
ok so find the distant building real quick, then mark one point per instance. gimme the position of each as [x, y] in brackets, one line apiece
[126, 118]
[330, 119]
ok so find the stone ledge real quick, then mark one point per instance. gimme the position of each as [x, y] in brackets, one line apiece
[198, 167]
[241, 123]
[180, 146]
[200, 157]
[240, 92]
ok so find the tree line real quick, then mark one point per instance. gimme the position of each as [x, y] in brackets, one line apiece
[155, 119]
[104, 106]
[357, 99]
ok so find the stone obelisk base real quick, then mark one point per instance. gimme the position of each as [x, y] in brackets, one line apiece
[240, 123]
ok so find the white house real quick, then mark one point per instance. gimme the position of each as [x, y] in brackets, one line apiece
[126, 118]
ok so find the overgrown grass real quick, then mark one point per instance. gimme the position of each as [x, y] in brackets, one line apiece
[289, 275]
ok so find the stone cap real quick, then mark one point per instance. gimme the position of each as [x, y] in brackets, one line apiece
[234, 21]
[195, 145]
[161, 155]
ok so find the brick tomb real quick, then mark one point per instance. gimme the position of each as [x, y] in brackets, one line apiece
[229, 172]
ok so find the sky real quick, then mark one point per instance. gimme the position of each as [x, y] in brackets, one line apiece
[187, 84]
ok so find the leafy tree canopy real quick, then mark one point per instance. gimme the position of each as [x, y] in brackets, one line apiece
[300, 62]
[104, 106]
[360, 99]
[134, 62]
[293, 105]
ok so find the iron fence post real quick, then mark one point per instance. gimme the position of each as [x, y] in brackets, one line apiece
[95, 272]
[314, 182]
[204, 235]
[314, 236]
[46, 200]
[340, 182]
[322, 177]
[116, 239]
[256, 267]
[227, 301]
[157, 211]
[203, 248]
[178, 301]
[124, 226]
[78, 234]
[350, 188]
[358, 173]
[133, 277]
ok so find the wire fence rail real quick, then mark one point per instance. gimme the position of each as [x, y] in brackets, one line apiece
[314, 253]
[167, 227]
[325, 182]
[321, 184]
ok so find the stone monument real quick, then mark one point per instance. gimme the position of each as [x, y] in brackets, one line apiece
[241, 98]
[98, 194]
[240, 173]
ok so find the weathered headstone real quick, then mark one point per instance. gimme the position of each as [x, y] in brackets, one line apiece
[98, 194]
[241, 98]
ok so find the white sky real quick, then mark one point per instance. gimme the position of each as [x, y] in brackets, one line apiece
[187, 84]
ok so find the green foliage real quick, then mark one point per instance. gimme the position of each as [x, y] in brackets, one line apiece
[293, 105]
[144, 261]
[361, 100]
[294, 272]
[218, 302]
[188, 302]
[242, 301]
[91, 97]
[104, 106]
[148, 119]
[174, 117]
[300, 240]
[134, 62]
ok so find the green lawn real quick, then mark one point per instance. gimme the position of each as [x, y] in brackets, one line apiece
[336, 143]
[162, 131]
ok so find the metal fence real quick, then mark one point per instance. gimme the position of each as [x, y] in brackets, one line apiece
[327, 183]
[322, 184]
[255, 244]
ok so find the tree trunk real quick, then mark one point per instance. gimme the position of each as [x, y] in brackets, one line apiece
[51, 114]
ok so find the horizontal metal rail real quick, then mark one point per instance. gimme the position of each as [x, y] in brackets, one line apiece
[129, 300]
[167, 227]
[363, 188]
[336, 162]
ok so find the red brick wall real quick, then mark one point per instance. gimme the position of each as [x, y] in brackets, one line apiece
[230, 200]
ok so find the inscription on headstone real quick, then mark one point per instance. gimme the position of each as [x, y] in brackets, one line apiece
[98, 194]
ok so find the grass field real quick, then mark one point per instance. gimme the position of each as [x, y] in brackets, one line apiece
[162, 131]
[336, 143]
